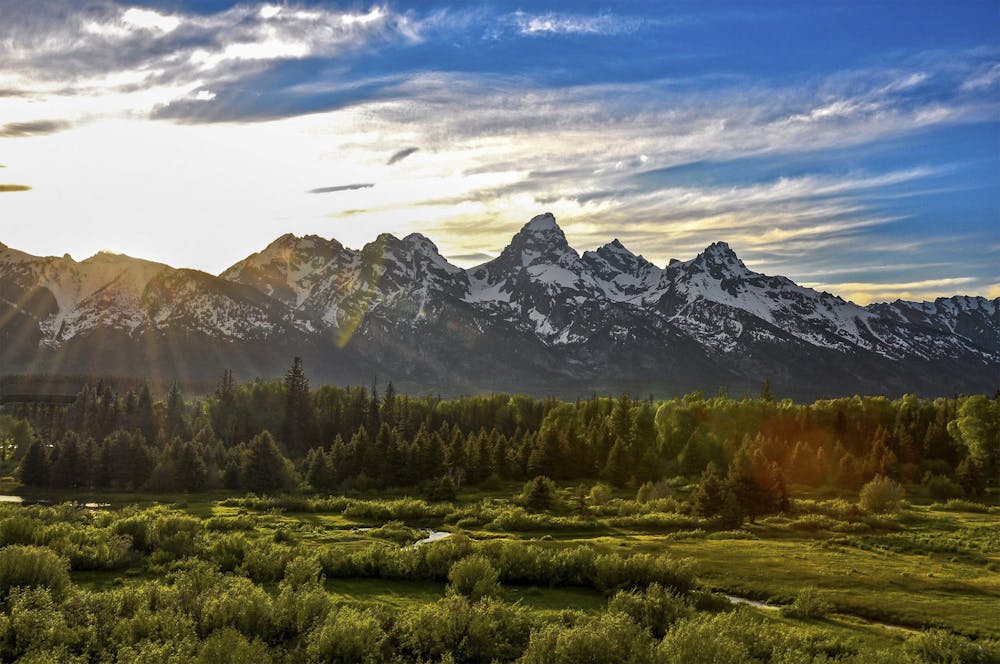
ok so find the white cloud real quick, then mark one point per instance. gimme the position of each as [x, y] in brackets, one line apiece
[131, 61]
[147, 19]
[570, 24]
[986, 78]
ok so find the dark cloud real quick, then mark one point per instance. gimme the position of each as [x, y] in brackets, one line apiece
[341, 187]
[7, 188]
[401, 155]
[33, 128]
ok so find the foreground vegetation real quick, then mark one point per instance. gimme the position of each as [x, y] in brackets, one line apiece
[311, 578]
[690, 530]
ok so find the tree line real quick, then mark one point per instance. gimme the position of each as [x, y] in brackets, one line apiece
[266, 435]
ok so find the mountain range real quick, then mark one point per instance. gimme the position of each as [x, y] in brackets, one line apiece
[539, 318]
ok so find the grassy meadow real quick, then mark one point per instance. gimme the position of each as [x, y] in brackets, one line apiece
[915, 583]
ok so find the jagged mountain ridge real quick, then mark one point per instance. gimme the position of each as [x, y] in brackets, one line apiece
[539, 317]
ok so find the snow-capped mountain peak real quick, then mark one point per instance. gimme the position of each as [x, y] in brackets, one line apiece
[623, 275]
[543, 222]
[539, 308]
[539, 242]
[720, 260]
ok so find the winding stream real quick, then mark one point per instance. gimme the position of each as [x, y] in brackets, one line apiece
[733, 599]
[433, 536]
[21, 500]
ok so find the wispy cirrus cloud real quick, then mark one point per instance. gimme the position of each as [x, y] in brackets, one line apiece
[401, 155]
[341, 187]
[32, 128]
[574, 24]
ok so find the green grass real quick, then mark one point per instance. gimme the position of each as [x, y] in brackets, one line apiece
[406, 594]
[393, 594]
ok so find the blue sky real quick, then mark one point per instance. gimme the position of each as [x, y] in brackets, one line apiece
[850, 146]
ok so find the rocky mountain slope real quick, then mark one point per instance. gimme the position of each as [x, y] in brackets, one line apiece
[539, 317]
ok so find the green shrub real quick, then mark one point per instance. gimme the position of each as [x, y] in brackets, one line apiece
[956, 505]
[156, 652]
[726, 638]
[406, 509]
[19, 529]
[655, 608]
[940, 487]
[303, 570]
[599, 494]
[395, 531]
[650, 492]
[808, 605]
[32, 566]
[881, 495]
[489, 630]
[813, 523]
[297, 610]
[347, 636]
[613, 572]
[173, 536]
[227, 646]
[474, 578]
[239, 604]
[228, 551]
[732, 535]
[230, 523]
[659, 521]
[265, 561]
[35, 623]
[610, 639]
[539, 494]
[938, 646]
[706, 600]
[517, 519]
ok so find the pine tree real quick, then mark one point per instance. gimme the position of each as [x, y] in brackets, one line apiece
[539, 494]
[263, 465]
[231, 476]
[649, 468]
[191, 474]
[442, 490]
[224, 413]
[499, 460]
[620, 420]
[89, 460]
[389, 405]
[174, 424]
[753, 497]
[543, 459]
[969, 476]
[708, 498]
[692, 458]
[296, 426]
[319, 470]
[145, 417]
[616, 470]
[35, 466]
[848, 475]
[65, 470]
